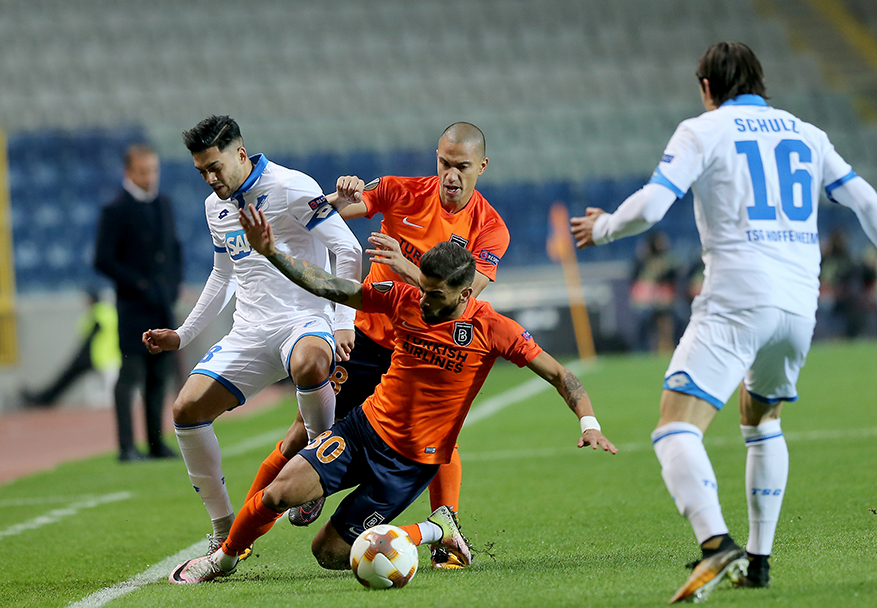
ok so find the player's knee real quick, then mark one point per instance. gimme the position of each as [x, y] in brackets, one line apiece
[295, 441]
[329, 556]
[184, 411]
[310, 371]
[273, 497]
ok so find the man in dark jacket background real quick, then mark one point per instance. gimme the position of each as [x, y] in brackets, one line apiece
[138, 249]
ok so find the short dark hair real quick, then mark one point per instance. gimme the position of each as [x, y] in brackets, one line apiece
[449, 262]
[219, 131]
[466, 132]
[138, 149]
[732, 69]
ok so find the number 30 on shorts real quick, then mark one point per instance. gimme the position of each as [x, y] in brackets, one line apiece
[328, 446]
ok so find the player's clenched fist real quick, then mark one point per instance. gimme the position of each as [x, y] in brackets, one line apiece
[349, 188]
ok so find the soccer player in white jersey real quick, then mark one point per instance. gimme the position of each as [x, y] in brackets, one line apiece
[756, 173]
[279, 329]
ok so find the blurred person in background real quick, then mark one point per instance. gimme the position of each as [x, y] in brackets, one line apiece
[844, 288]
[138, 249]
[653, 293]
[98, 352]
[756, 173]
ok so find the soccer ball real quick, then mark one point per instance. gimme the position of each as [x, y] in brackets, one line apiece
[383, 557]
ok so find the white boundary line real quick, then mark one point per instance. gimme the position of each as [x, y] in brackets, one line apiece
[59, 514]
[45, 500]
[490, 406]
[154, 573]
[792, 437]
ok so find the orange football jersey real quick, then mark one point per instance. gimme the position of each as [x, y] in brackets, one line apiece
[412, 213]
[436, 370]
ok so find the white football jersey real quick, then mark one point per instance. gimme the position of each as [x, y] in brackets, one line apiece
[756, 173]
[304, 225]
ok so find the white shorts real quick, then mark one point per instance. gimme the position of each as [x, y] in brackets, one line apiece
[764, 347]
[250, 359]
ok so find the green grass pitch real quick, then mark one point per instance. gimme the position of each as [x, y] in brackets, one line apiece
[552, 525]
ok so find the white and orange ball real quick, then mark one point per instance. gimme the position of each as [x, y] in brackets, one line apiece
[383, 557]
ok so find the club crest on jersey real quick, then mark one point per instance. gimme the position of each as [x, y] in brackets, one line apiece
[463, 333]
[237, 244]
[455, 238]
[373, 520]
[261, 201]
[320, 200]
[223, 213]
[383, 286]
[372, 184]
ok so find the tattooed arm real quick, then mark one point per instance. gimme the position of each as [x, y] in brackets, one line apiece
[304, 274]
[572, 391]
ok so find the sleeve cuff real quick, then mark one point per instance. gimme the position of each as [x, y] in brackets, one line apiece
[601, 233]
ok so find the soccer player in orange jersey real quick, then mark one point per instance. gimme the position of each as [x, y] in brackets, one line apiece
[417, 213]
[391, 447]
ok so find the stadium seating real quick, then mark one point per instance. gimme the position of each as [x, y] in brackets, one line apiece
[576, 97]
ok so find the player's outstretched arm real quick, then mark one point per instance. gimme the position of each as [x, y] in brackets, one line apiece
[304, 274]
[572, 391]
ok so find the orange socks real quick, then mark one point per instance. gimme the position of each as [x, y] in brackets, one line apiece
[413, 531]
[444, 489]
[253, 521]
[268, 471]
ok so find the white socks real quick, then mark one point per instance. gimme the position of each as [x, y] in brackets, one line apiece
[317, 406]
[688, 475]
[767, 472]
[199, 448]
[431, 533]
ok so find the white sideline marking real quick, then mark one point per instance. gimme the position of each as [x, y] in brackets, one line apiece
[793, 437]
[154, 573]
[44, 500]
[253, 443]
[486, 408]
[59, 514]
[531, 387]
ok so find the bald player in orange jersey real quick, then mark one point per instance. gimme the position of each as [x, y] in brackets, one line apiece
[417, 213]
[391, 447]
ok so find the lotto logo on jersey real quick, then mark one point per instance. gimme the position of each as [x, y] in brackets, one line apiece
[237, 244]
[677, 381]
[320, 214]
